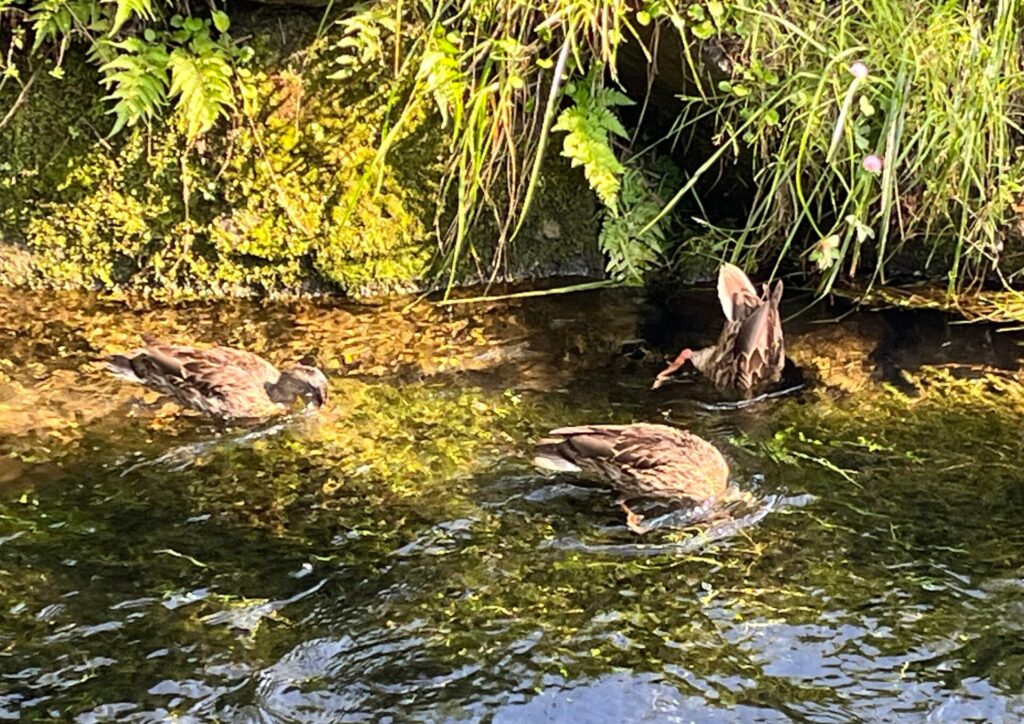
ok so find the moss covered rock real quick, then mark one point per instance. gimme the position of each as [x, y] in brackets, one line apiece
[293, 195]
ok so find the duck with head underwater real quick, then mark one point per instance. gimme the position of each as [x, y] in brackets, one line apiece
[640, 460]
[226, 383]
[750, 352]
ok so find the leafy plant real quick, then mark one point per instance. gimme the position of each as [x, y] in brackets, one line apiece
[587, 125]
[137, 80]
[127, 8]
[875, 130]
[362, 38]
[59, 20]
[147, 63]
[630, 247]
[481, 67]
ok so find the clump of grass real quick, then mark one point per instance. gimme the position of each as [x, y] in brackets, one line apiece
[503, 76]
[876, 128]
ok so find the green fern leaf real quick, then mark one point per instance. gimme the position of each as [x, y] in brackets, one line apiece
[202, 84]
[443, 76]
[630, 254]
[587, 125]
[137, 81]
[362, 38]
[127, 8]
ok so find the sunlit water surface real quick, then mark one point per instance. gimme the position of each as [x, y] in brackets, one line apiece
[397, 558]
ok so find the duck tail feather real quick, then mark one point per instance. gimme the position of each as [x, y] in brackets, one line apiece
[121, 366]
[551, 454]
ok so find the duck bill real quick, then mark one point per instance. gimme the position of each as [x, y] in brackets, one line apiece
[666, 374]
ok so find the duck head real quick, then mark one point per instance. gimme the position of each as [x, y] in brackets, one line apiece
[303, 381]
[697, 357]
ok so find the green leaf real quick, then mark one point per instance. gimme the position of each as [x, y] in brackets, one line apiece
[127, 8]
[136, 79]
[704, 30]
[202, 85]
[587, 125]
[717, 10]
[362, 39]
[630, 254]
[221, 21]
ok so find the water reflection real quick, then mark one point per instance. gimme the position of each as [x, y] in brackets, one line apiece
[397, 558]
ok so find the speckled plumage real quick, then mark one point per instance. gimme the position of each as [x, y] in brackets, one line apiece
[220, 381]
[750, 352]
[640, 460]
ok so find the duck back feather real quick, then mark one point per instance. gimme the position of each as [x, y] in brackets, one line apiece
[640, 460]
[220, 381]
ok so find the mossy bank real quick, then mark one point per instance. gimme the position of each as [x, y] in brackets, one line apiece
[289, 196]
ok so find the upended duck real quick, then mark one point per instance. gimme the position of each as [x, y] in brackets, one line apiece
[639, 461]
[223, 382]
[750, 352]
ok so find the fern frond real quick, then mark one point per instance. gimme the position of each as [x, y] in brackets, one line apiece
[586, 144]
[630, 251]
[127, 8]
[362, 38]
[202, 84]
[137, 81]
[444, 78]
[587, 124]
[58, 19]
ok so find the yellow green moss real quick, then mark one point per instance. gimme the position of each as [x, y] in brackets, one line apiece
[291, 196]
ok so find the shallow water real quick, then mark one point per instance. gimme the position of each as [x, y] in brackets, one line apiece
[397, 557]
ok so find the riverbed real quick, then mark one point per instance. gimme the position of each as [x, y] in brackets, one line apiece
[396, 557]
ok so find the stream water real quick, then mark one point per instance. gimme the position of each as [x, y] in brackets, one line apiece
[397, 558]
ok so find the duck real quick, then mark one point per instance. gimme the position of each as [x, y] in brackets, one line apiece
[222, 382]
[750, 352]
[639, 460]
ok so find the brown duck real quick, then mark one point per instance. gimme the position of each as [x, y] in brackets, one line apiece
[750, 352]
[639, 461]
[220, 381]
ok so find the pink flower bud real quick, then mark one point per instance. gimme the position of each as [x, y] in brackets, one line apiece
[858, 70]
[872, 164]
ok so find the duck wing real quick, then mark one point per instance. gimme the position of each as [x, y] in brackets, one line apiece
[758, 348]
[218, 380]
[641, 460]
[582, 445]
[736, 293]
